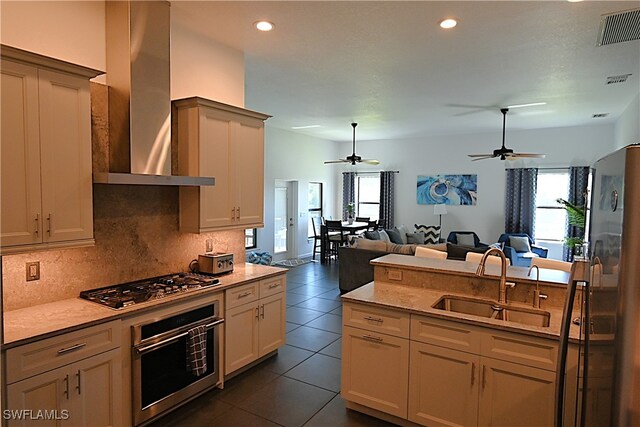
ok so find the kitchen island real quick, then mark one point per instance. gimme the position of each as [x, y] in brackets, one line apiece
[409, 356]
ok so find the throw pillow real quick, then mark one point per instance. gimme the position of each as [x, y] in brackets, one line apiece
[403, 233]
[384, 236]
[394, 236]
[372, 235]
[520, 243]
[352, 240]
[465, 239]
[401, 249]
[431, 232]
[417, 237]
[372, 245]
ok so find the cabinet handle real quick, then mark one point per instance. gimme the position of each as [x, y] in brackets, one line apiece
[66, 386]
[262, 311]
[473, 373]
[374, 319]
[274, 285]
[484, 376]
[37, 224]
[257, 313]
[372, 338]
[49, 224]
[233, 214]
[238, 213]
[72, 348]
[78, 381]
[245, 294]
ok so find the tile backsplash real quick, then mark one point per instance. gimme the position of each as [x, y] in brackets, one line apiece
[136, 234]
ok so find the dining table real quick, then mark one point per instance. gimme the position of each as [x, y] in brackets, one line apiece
[346, 226]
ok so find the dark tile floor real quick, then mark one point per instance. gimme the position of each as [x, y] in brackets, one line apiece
[300, 386]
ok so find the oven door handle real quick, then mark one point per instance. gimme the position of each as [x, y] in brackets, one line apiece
[151, 347]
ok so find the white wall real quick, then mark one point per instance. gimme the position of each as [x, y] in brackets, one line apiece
[291, 156]
[448, 155]
[627, 128]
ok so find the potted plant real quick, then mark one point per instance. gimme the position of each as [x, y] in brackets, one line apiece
[577, 218]
[351, 208]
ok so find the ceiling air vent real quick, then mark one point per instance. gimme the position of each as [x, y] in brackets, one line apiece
[600, 115]
[617, 79]
[619, 27]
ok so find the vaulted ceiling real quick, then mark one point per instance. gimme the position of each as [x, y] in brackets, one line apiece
[388, 65]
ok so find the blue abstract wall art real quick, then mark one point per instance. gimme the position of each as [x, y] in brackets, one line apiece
[447, 189]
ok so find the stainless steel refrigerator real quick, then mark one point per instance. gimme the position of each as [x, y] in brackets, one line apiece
[608, 360]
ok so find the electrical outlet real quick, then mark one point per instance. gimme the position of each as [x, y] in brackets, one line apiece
[33, 271]
[209, 245]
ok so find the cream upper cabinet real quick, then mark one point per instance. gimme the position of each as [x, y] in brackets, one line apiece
[227, 143]
[46, 153]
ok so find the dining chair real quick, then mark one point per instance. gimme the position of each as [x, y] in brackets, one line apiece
[316, 222]
[423, 252]
[475, 258]
[362, 219]
[335, 237]
[373, 225]
[552, 264]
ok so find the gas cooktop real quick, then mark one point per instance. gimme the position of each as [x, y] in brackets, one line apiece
[126, 294]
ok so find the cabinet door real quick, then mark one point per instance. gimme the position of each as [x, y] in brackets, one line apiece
[443, 386]
[273, 312]
[65, 141]
[515, 395]
[48, 392]
[375, 370]
[21, 222]
[248, 162]
[217, 208]
[241, 336]
[96, 385]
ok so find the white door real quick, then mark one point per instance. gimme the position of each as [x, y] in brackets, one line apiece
[284, 226]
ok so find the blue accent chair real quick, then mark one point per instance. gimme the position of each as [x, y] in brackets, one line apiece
[453, 238]
[522, 259]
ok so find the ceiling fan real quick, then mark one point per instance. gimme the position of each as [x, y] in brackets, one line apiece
[503, 152]
[353, 159]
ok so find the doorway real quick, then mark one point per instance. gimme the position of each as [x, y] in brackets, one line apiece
[285, 220]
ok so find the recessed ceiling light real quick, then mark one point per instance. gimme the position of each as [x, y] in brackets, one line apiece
[531, 104]
[448, 23]
[264, 25]
[305, 127]
[574, 1]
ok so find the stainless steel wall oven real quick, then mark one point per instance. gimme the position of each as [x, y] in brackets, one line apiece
[162, 377]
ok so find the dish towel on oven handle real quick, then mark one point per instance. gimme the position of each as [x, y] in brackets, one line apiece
[197, 350]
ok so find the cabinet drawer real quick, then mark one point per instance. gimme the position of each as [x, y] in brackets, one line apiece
[273, 286]
[41, 356]
[376, 319]
[517, 348]
[242, 294]
[454, 335]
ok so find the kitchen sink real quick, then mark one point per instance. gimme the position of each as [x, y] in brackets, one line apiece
[493, 310]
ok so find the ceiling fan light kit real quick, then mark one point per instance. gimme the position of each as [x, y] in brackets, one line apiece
[503, 152]
[353, 158]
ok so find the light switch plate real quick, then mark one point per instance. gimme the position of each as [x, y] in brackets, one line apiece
[33, 271]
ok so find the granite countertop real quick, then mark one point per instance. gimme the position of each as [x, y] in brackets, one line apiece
[458, 268]
[45, 320]
[419, 301]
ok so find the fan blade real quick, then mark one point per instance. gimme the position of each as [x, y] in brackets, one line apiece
[337, 161]
[532, 155]
[482, 158]
[370, 161]
[480, 155]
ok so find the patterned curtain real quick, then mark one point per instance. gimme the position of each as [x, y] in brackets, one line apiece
[348, 191]
[387, 199]
[578, 180]
[520, 201]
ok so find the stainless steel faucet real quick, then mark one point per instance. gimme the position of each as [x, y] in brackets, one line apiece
[537, 296]
[502, 294]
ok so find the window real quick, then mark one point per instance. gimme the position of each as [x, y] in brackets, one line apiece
[315, 205]
[551, 217]
[368, 196]
[250, 238]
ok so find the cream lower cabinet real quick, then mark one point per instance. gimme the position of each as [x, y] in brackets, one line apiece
[45, 152]
[255, 321]
[44, 389]
[227, 143]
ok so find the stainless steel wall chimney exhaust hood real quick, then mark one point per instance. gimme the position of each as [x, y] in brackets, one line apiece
[138, 75]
